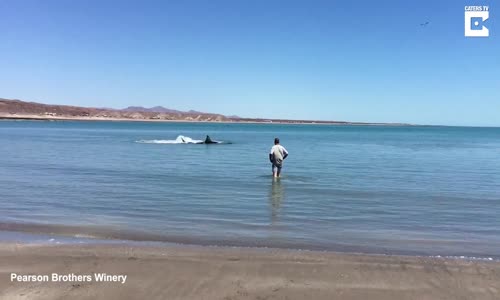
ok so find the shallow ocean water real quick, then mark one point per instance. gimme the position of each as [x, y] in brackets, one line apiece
[375, 189]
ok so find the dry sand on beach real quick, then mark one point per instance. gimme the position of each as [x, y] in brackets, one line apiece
[231, 273]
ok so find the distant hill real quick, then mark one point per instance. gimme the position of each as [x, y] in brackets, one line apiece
[17, 109]
[33, 110]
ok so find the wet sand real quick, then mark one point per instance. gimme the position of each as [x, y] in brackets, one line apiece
[181, 272]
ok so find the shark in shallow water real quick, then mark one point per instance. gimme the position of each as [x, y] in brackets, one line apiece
[207, 140]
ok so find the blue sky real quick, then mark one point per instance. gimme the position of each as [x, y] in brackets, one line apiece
[330, 60]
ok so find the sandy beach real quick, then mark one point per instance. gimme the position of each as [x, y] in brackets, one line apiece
[181, 272]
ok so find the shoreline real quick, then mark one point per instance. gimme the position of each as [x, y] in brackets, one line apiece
[182, 272]
[243, 121]
[46, 240]
[57, 234]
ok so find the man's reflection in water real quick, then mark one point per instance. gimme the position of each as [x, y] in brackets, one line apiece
[276, 196]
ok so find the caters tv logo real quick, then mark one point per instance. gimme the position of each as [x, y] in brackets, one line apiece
[475, 16]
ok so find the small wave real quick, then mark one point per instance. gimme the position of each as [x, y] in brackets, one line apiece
[179, 140]
[463, 257]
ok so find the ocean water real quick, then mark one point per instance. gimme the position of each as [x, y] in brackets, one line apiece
[413, 190]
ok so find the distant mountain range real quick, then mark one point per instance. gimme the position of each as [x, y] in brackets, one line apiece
[157, 109]
[17, 109]
[22, 109]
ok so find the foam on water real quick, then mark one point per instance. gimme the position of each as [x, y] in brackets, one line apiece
[463, 257]
[179, 140]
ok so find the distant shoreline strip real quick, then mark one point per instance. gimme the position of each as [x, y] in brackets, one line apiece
[231, 121]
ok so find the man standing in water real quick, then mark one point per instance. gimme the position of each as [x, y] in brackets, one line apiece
[277, 156]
